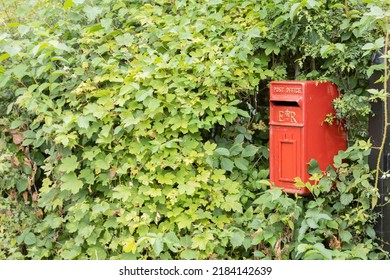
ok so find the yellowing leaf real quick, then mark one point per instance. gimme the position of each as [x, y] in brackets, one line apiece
[68, 4]
[130, 246]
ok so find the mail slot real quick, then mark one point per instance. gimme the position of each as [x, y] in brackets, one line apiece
[299, 133]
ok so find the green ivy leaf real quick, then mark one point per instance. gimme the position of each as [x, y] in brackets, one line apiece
[12, 49]
[226, 164]
[125, 40]
[106, 23]
[189, 254]
[249, 151]
[30, 239]
[360, 251]
[92, 12]
[71, 254]
[236, 149]
[241, 163]
[302, 248]
[222, 152]
[87, 175]
[83, 121]
[69, 164]
[255, 32]
[100, 208]
[214, 2]
[345, 236]
[326, 253]
[325, 50]
[302, 231]
[158, 245]
[312, 223]
[275, 193]
[97, 253]
[20, 71]
[189, 187]
[71, 183]
[346, 198]
[243, 113]
[201, 241]
[332, 224]
[232, 203]
[60, 46]
[271, 47]
[294, 10]
[313, 167]
[371, 232]
[209, 148]
[183, 221]
[172, 242]
[237, 238]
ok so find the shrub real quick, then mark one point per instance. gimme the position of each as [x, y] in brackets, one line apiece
[138, 130]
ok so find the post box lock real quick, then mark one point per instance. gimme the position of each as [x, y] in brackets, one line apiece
[297, 134]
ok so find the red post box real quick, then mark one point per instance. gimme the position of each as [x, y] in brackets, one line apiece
[298, 132]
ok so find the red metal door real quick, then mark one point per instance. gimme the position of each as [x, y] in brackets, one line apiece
[286, 145]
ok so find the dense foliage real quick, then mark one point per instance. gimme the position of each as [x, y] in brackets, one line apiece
[138, 129]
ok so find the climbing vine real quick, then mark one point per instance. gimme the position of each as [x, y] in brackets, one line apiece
[138, 129]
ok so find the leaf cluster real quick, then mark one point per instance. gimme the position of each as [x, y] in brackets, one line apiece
[138, 130]
[120, 99]
[335, 223]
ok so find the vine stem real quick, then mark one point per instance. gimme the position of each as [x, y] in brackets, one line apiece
[385, 102]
